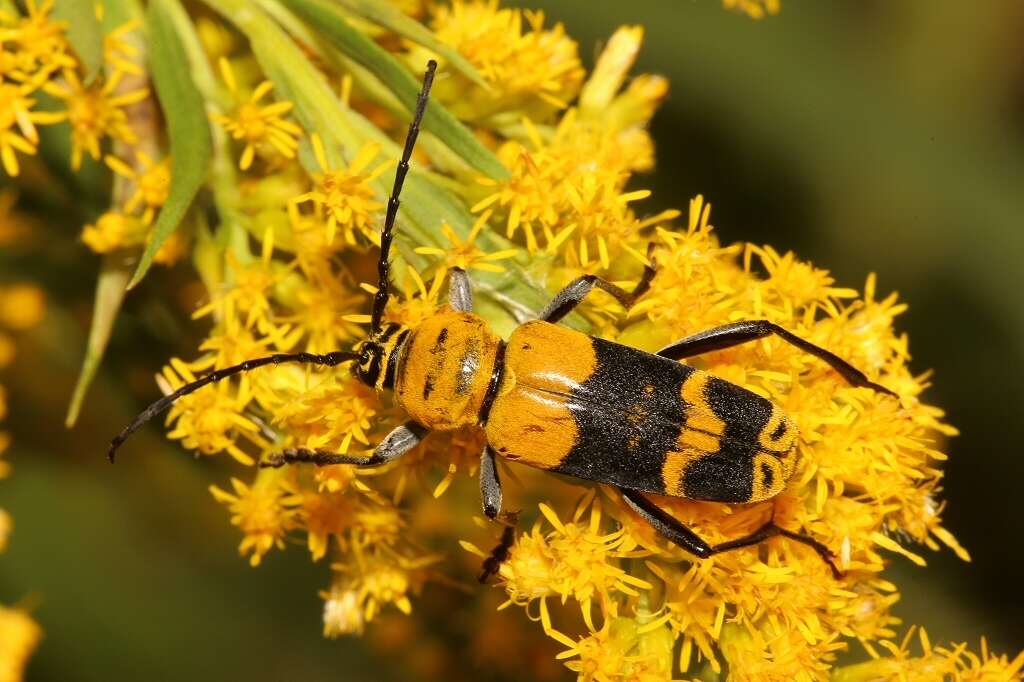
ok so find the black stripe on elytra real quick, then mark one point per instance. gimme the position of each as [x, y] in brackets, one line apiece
[438, 352]
[628, 415]
[392, 367]
[492, 388]
[728, 474]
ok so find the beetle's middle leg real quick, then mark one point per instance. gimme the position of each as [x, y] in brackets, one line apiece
[460, 291]
[575, 291]
[400, 441]
[490, 484]
[677, 532]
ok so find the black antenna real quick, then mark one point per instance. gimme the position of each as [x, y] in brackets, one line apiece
[380, 300]
[329, 359]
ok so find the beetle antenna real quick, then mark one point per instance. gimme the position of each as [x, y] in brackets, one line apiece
[329, 359]
[380, 300]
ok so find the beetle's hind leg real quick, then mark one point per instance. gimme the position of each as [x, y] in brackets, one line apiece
[770, 530]
[575, 291]
[397, 443]
[735, 333]
[678, 533]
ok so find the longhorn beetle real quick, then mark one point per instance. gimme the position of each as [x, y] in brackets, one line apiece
[557, 399]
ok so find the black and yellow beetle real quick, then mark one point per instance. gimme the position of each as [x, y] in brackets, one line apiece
[557, 399]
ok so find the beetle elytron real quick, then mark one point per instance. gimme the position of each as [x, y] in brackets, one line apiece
[560, 400]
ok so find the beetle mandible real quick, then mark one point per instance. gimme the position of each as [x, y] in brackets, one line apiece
[557, 399]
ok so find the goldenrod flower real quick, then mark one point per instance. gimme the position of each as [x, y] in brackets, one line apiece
[120, 53]
[40, 46]
[95, 111]
[330, 415]
[261, 512]
[114, 230]
[623, 649]
[152, 182]
[530, 69]
[380, 578]
[577, 560]
[260, 125]
[210, 421]
[569, 188]
[345, 195]
[17, 123]
[463, 253]
[342, 613]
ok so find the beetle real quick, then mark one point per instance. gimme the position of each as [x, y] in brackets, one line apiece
[557, 399]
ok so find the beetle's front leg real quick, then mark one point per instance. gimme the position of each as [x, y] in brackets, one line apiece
[490, 484]
[395, 444]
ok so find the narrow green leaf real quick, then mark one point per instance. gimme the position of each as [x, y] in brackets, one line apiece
[110, 293]
[83, 31]
[333, 25]
[390, 17]
[189, 132]
[117, 268]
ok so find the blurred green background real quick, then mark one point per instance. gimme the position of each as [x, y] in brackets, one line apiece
[864, 135]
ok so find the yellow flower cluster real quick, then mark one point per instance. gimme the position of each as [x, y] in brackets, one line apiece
[21, 307]
[566, 195]
[286, 269]
[35, 56]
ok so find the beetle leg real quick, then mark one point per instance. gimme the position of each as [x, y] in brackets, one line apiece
[460, 291]
[395, 444]
[770, 530]
[729, 335]
[677, 532]
[575, 291]
[490, 484]
[667, 525]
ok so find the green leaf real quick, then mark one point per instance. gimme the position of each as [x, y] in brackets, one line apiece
[333, 25]
[188, 129]
[110, 293]
[390, 17]
[83, 31]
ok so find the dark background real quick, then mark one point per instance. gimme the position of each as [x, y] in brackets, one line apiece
[864, 135]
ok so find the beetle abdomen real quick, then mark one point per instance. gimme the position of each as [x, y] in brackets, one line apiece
[605, 412]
